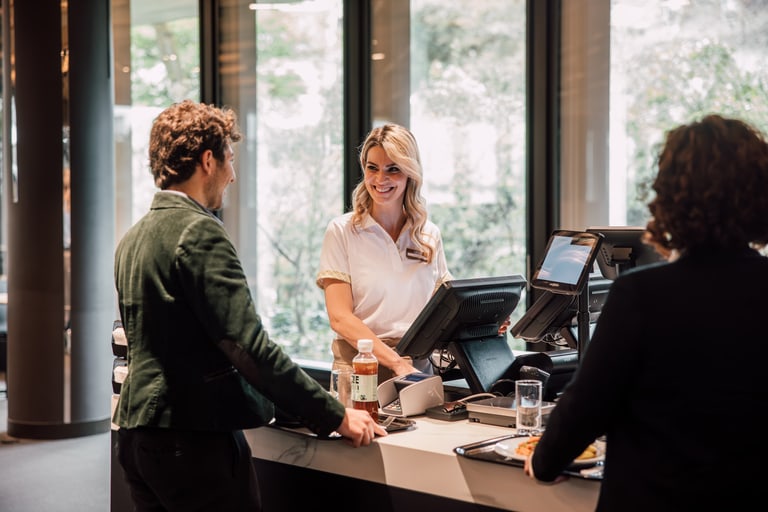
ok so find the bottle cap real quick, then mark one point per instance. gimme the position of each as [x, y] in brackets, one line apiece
[364, 345]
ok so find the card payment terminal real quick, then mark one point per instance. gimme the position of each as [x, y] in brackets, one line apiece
[411, 394]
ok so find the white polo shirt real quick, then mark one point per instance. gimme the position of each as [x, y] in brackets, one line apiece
[390, 283]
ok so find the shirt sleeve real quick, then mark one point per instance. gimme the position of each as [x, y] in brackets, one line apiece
[442, 265]
[334, 255]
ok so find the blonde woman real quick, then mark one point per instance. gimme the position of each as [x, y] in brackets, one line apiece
[381, 262]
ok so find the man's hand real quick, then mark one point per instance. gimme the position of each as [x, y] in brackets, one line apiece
[359, 429]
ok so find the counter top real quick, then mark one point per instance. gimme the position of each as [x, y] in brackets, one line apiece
[422, 459]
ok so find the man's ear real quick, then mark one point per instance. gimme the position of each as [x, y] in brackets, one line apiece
[207, 161]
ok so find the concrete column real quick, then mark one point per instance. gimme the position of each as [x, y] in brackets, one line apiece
[58, 389]
[92, 152]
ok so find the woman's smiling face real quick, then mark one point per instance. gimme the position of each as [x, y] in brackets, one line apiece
[384, 180]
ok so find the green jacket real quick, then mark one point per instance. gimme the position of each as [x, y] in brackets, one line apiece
[198, 355]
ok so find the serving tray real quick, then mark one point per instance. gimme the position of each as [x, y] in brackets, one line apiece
[484, 450]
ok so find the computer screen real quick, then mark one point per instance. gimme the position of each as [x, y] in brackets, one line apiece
[568, 260]
[460, 310]
[464, 316]
[622, 249]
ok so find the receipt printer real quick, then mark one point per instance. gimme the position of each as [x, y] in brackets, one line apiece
[410, 395]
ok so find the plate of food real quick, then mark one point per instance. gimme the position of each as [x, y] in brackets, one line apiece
[520, 448]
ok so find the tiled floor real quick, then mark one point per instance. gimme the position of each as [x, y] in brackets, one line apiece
[67, 475]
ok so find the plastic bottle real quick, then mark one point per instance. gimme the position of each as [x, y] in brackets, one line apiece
[365, 379]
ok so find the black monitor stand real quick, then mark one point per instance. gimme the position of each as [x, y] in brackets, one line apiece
[489, 366]
[482, 361]
[582, 320]
[581, 340]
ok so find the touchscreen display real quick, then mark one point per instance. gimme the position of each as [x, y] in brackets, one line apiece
[567, 261]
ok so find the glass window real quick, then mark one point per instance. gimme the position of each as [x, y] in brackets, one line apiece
[157, 62]
[286, 82]
[633, 69]
[454, 73]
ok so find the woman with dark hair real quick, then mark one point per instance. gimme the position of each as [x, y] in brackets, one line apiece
[682, 417]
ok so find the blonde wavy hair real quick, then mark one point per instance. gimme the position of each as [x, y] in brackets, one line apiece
[400, 145]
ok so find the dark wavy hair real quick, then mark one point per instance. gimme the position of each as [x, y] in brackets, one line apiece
[711, 188]
[181, 133]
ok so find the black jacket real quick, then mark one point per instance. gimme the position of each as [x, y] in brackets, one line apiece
[675, 376]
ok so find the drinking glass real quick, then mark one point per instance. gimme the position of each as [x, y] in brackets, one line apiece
[528, 406]
[341, 385]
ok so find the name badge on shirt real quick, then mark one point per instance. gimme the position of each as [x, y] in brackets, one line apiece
[413, 254]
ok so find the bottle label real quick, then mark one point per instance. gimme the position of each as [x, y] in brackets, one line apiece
[364, 388]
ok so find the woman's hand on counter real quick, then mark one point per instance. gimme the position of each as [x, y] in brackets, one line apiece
[528, 468]
[359, 429]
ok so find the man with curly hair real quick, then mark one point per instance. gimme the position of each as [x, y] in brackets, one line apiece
[201, 367]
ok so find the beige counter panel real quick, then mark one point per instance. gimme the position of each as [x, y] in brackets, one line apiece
[422, 459]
